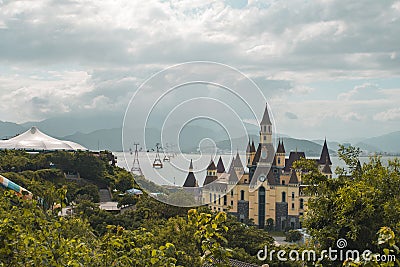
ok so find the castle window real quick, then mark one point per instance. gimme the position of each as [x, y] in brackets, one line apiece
[241, 194]
[283, 196]
[301, 203]
[232, 203]
[265, 138]
[210, 197]
[215, 199]
[225, 200]
[219, 199]
[265, 128]
[269, 128]
[283, 182]
[292, 195]
[292, 206]
[279, 160]
[232, 193]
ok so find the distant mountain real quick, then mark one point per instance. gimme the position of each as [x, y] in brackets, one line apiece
[10, 129]
[106, 139]
[385, 143]
[68, 125]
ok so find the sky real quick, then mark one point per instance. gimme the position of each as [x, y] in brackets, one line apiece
[328, 68]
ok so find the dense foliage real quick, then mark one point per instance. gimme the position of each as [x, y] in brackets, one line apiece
[354, 206]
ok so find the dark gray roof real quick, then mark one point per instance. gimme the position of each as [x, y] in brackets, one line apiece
[248, 147]
[209, 179]
[190, 180]
[281, 147]
[191, 165]
[293, 178]
[233, 178]
[327, 169]
[211, 166]
[237, 162]
[252, 148]
[220, 166]
[266, 120]
[257, 155]
[293, 156]
[325, 155]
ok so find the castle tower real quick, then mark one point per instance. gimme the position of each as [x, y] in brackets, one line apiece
[252, 152]
[266, 128]
[220, 166]
[237, 165]
[190, 179]
[211, 173]
[248, 154]
[280, 155]
[324, 158]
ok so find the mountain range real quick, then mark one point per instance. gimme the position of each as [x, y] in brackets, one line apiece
[106, 134]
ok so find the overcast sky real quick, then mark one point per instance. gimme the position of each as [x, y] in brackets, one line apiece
[328, 68]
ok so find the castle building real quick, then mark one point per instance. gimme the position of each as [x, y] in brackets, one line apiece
[270, 192]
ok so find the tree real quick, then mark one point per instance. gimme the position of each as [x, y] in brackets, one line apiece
[353, 206]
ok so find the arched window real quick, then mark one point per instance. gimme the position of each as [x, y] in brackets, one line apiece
[210, 197]
[215, 199]
[219, 199]
[301, 203]
[283, 196]
[241, 194]
[225, 200]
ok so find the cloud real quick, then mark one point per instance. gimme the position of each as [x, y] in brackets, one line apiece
[392, 114]
[361, 92]
[291, 116]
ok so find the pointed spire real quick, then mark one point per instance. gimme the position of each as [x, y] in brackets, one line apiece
[233, 178]
[191, 165]
[237, 162]
[325, 155]
[190, 178]
[253, 147]
[211, 166]
[281, 147]
[220, 166]
[248, 150]
[266, 120]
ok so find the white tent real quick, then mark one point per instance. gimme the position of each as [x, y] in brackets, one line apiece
[35, 140]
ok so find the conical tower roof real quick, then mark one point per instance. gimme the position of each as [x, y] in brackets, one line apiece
[211, 166]
[248, 150]
[325, 155]
[190, 178]
[237, 162]
[281, 147]
[220, 166]
[233, 178]
[252, 148]
[266, 120]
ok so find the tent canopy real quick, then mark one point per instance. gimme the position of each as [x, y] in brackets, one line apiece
[35, 140]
